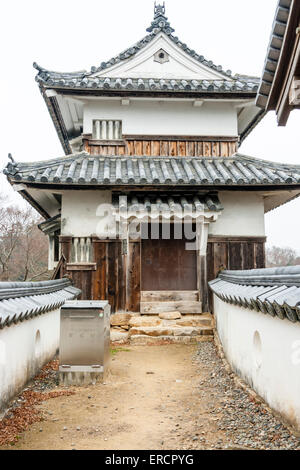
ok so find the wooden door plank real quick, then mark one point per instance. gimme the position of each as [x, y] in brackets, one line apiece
[155, 148]
[164, 148]
[147, 148]
[182, 149]
[173, 148]
[138, 147]
[167, 296]
[207, 149]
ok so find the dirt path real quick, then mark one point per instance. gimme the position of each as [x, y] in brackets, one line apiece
[146, 391]
[162, 397]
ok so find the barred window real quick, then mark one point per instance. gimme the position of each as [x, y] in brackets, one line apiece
[105, 129]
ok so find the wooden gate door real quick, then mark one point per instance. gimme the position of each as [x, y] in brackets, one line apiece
[167, 265]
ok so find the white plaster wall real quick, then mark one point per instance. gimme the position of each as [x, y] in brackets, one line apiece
[84, 213]
[22, 354]
[273, 372]
[82, 216]
[243, 215]
[180, 65]
[164, 118]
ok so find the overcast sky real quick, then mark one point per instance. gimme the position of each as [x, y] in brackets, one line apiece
[70, 35]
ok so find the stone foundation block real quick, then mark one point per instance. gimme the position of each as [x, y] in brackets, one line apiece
[118, 336]
[169, 315]
[158, 340]
[195, 320]
[141, 321]
[120, 319]
[151, 331]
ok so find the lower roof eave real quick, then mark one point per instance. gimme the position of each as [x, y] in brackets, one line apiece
[82, 171]
[35, 204]
[157, 188]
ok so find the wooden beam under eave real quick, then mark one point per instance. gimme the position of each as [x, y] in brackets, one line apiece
[284, 108]
[294, 93]
[285, 54]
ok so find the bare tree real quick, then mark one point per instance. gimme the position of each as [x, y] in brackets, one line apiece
[278, 256]
[23, 248]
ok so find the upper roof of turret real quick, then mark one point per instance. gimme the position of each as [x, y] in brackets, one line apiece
[158, 55]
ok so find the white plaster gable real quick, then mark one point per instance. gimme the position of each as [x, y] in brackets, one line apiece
[179, 66]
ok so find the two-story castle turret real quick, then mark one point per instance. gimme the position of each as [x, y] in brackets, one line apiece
[151, 140]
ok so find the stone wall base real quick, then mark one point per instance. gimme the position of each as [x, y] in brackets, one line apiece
[157, 329]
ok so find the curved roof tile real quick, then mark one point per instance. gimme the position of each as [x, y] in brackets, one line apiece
[273, 52]
[85, 169]
[273, 291]
[23, 300]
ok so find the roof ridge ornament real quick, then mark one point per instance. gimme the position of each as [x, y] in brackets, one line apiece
[11, 158]
[160, 21]
[159, 9]
[11, 167]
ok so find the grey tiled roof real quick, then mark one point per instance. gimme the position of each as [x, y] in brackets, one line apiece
[21, 301]
[238, 85]
[85, 79]
[275, 291]
[145, 205]
[160, 24]
[273, 52]
[85, 169]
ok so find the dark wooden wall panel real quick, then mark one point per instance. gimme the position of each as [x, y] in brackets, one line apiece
[117, 277]
[235, 260]
[109, 278]
[100, 275]
[84, 281]
[220, 256]
[245, 253]
[65, 246]
[248, 255]
[259, 255]
[234, 253]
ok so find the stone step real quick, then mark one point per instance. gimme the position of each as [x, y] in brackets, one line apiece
[184, 320]
[158, 340]
[171, 330]
[140, 320]
[165, 327]
[196, 320]
[120, 319]
[180, 306]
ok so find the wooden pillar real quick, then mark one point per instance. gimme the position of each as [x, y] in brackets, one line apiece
[133, 281]
[51, 252]
[202, 236]
[123, 234]
[133, 269]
